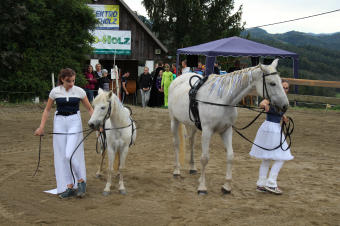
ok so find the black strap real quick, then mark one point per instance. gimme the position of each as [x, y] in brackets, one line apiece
[193, 104]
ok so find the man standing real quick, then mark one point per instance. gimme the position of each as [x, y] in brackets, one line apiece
[124, 83]
[145, 86]
[185, 68]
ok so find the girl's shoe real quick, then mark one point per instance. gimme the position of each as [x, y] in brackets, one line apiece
[260, 189]
[68, 193]
[274, 190]
[81, 189]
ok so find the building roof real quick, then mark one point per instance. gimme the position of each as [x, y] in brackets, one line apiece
[134, 15]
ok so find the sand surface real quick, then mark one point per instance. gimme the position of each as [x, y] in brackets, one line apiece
[310, 182]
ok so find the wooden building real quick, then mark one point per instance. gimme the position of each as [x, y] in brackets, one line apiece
[144, 44]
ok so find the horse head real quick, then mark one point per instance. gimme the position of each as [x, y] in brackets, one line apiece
[270, 87]
[101, 109]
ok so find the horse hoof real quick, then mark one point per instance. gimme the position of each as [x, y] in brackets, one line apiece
[192, 172]
[106, 193]
[177, 175]
[202, 192]
[122, 192]
[224, 191]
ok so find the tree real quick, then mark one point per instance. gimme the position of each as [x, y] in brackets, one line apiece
[52, 35]
[181, 23]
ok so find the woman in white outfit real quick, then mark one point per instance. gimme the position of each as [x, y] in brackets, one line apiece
[268, 136]
[67, 129]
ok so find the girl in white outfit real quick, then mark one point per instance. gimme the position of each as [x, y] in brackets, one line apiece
[268, 136]
[68, 134]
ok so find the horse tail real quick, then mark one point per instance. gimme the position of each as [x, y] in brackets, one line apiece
[182, 145]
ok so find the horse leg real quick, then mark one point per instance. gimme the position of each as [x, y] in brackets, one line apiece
[99, 172]
[227, 140]
[123, 154]
[206, 136]
[191, 137]
[174, 130]
[111, 157]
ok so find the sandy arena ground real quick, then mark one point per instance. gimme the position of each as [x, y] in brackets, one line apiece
[310, 182]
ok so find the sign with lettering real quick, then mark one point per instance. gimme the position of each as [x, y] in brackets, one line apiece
[108, 16]
[112, 42]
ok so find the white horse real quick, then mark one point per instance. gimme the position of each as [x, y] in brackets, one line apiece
[226, 89]
[120, 132]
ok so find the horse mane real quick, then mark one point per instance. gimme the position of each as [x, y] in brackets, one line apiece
[231, 81]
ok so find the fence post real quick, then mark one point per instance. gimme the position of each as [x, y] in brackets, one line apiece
[52, 75]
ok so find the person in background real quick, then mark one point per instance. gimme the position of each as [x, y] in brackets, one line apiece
[199, 69]
[167, 78]
[67, 129]
[185, 68]
[173, 68]
[125, 92]
[145, 86]
[91, 84]
[97, 74]
[156, 97]
[216, 68]
[104, 81]
[268, 136]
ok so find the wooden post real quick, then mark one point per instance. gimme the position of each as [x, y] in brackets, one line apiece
[52, 77]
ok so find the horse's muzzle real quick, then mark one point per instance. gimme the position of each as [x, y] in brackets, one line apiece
[284, 108]
[93, 125]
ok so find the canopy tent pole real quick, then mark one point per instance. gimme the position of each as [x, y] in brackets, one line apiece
[209, 65]
[177, 65]
[295, 71]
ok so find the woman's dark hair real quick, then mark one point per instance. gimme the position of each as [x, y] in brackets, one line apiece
[87, 69]
[65, 72]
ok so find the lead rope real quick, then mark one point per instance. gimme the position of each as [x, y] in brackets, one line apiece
[39, 151]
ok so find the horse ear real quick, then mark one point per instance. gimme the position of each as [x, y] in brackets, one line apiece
[275, 62]
[109, 95]
[100, 91]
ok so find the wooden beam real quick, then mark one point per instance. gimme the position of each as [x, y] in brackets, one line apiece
[314, 99]
[319, 83]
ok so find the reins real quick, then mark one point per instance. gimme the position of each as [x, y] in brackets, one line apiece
[39, 152]
[194, 114]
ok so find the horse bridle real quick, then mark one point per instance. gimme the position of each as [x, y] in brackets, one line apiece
[264, 87]
[103, 134]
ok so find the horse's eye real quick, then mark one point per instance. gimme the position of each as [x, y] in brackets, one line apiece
[103, 108]
[272, 84]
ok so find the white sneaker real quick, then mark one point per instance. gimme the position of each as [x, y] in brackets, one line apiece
[274, 190]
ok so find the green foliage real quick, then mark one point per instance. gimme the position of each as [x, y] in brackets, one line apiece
[182, 23]
[51, 35]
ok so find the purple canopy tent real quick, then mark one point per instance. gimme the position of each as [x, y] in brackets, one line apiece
[236, 47]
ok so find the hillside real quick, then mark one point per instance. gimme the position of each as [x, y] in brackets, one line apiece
[319, 55]
[326, 41]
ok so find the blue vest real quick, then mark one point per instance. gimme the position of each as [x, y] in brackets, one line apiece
[70, 105]
[273, 115]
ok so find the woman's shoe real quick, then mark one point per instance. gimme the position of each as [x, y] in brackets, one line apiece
[260, 189]
[274, 190]
[68, 193]
[81, 189]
